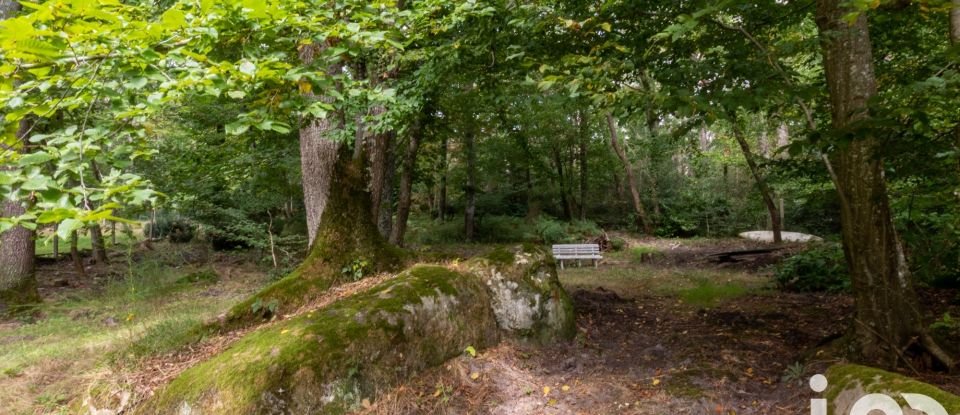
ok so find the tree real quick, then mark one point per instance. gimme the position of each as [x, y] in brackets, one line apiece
[643, 221]
[888, 318]
[18, 285]
[762, 185]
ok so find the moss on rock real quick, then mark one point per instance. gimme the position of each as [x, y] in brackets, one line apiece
[328, 360]
[849, 382]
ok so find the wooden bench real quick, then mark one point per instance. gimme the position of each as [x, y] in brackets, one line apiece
[577, 252]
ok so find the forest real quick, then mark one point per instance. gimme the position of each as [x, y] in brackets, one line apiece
[480, 207]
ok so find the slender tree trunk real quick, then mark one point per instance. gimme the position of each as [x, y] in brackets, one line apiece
[56, 244]
[762, 185]
[98, 245]
[564, 199]
[584, 145]
[955, 40]
[406, 185]
[380, 154]
[888, 317]
[75, 254]
[638, 208]
[470, 190]
[318, 153]
[442, 202]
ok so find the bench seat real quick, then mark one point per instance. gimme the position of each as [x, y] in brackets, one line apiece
[578, 252]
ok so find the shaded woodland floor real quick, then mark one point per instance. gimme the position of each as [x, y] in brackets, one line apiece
[662, 328]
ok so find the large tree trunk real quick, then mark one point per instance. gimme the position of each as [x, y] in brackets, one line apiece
[346, 237]
[18, 283]
[318, 153]
[406, 184]
[470, 190]
[638, 208]
[328, 360]
[584, 143]
[762, 185]
[888, 318]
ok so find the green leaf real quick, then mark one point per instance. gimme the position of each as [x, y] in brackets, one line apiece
[237, 94]
[237, 128]
[66, 228]
[39, 157]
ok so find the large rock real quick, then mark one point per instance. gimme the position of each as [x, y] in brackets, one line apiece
[849, 383]
[767, 236]
[330, 359]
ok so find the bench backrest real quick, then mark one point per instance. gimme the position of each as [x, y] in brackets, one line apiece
[576, 249]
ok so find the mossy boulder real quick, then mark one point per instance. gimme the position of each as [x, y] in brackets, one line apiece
[848, 383]
[526, 294]
[327, 361]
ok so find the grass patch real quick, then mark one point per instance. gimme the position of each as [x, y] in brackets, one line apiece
[47, 365]
[709, 294]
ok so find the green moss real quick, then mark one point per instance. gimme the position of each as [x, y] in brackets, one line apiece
[500, 256]
[343, 352]
[849, 376]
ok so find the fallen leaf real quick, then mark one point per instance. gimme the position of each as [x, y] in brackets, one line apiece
[474, 375]
[546, 390]
[565, 388]
[655, 381]
[366, 403]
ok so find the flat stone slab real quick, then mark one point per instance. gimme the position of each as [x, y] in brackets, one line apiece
[767, 236]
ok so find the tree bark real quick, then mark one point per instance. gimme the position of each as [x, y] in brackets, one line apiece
[888, 318]
[75, 255]
[955, 40]
[442, 202]
[584, 145]
[98, 245]
[380, 154]
[18, 283]
[644, 222]
[564, 199]
[406, 184]
[762, 185]
[318, 153]
[470, 190]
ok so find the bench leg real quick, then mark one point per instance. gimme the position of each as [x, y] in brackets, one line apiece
[579, 264]
[561, 264]
[595, 263]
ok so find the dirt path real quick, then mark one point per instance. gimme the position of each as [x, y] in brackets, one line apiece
[646, 347]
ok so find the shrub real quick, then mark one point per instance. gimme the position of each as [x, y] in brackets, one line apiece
[618, 244]
[177, 230]
[820, 268]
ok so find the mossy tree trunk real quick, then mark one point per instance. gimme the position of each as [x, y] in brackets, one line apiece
[327, 361]
[888, 318]
[346, 238]
[318, 152]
